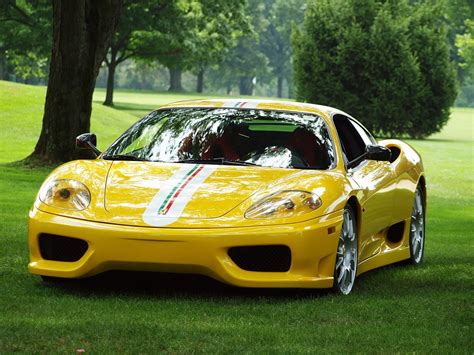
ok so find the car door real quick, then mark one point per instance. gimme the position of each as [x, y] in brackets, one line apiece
[375, 180]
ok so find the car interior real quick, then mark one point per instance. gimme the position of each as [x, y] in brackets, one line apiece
[246, 140]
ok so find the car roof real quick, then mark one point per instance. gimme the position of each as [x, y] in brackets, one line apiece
[243, 103]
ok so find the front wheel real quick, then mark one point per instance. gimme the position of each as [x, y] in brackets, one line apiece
[417, 229]
[346, 256]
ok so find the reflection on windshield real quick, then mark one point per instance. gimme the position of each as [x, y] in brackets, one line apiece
[266, 138]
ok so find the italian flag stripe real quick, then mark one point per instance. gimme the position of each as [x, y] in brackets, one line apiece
[174, 193]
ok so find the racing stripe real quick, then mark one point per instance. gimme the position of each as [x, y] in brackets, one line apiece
[176, 191]
[173, 196]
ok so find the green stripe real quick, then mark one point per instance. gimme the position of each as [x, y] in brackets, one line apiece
[163, 205]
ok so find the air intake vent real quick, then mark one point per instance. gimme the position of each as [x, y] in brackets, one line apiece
[265, 258]
[58, 248]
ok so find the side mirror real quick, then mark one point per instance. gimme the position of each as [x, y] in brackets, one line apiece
[88, 141]
[377, 152]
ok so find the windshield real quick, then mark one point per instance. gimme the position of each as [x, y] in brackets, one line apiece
[228, 136]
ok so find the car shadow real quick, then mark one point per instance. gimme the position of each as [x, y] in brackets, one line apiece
[163, 285]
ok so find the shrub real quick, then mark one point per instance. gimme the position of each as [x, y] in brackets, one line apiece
[386, 63]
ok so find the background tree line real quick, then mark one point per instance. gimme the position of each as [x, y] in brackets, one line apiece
[373, 58]
[225, 44]
[234, 46]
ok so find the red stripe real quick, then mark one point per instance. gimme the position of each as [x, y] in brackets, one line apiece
[243, 104]
[176, 194]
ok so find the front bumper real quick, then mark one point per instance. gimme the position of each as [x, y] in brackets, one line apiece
[313, 247]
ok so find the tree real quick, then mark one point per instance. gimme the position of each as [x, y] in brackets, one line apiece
[170, 45]
[388, 65]
[82, 31]
[465, 46]
[201, 33]
[282, 16]
[139, 16]
[245, 62]
[455, 13]
[217, 26]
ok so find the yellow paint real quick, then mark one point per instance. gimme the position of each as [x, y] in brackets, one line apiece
[214, 221]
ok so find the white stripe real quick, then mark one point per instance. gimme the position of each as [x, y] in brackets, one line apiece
[151, 215]
[249, 104]
[232, 103]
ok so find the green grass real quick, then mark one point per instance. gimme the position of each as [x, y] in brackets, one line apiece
[395, 309]
[139, 103]
[21, 108]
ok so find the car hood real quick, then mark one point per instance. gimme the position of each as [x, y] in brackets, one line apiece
[151, 194]
[159, 194]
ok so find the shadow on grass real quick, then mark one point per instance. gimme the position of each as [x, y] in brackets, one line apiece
[436, 275]
[163, 285]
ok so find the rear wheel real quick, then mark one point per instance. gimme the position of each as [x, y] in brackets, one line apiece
[417, 228]
[346, 256]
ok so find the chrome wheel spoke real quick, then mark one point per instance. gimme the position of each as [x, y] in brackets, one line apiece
[417, 230]
[341, 274]
[346, 254]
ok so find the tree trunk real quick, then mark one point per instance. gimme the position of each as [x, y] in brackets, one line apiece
[109, 96]
[82, 31]
[175, 80]
[200, 81]
[246, 86]
[290, 87]
[3, 69]
[280, 87]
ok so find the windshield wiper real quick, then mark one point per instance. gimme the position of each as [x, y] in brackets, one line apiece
[216, 160]
[123, 157]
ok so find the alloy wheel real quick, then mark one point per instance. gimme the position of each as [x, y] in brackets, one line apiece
[417, 228]
[346, 256]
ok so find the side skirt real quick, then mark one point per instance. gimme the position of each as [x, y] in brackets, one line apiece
[389, 253]
[383, 259]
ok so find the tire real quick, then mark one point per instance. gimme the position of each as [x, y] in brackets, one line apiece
[417, 228]
[345, 269]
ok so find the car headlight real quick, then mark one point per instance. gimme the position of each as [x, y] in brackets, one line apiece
[289, 203]
[66, 194]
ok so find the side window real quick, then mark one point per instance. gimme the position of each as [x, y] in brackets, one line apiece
[353, 145]
[366, 136]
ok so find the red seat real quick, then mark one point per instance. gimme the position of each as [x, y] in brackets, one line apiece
[220, 148]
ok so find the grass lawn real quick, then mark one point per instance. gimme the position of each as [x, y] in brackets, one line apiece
[428, 309]
[139, 103]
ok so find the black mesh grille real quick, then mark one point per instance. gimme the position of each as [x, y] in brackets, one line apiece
[269, 258]
[58, 248]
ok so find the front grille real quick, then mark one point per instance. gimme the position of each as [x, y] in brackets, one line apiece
[267, 258]
[58, 248]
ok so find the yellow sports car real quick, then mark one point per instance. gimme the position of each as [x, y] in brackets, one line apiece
[251, 193]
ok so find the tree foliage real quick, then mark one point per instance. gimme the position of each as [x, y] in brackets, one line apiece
[275, 43]
[465, 46]
[25, 38]
[385, 62]
[139, 18]
[245, 62]
[455, 13]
